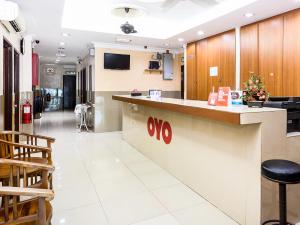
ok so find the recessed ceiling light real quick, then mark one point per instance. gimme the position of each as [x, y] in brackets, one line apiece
[151, 1]
[200, 32]
[123, 40]
[66, 34]
[61, 43]
[248, 15]
[166, 44]
[180, 39]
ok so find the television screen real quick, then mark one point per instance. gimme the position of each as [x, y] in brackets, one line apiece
[116, 61]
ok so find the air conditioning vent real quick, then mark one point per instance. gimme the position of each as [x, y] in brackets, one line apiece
[15, 25]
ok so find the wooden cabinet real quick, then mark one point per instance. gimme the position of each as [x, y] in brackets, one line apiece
[249, 52]
[271, 54]
[191, 71]
[291, 54]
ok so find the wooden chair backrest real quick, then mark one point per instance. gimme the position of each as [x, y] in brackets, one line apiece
[13, 207]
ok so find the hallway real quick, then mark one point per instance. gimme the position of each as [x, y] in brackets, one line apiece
[101, 180]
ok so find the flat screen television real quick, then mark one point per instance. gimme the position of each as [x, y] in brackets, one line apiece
[116, 61]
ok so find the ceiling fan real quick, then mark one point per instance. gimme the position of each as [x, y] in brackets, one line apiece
[167, 4]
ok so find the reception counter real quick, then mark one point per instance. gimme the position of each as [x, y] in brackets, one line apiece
[216, 151]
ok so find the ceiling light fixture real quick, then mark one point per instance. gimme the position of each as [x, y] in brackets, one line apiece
[61, 43]
[248, 15]
[180, 39]
[66, 34]
[8, 10]
[123, 40]
[152, 1]
[200, 33]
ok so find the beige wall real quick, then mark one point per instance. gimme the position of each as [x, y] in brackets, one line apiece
[136, 77]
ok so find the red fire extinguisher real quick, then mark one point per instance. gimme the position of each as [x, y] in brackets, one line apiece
[26, 112]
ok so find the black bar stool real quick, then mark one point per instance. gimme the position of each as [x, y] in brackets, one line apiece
[282, 172]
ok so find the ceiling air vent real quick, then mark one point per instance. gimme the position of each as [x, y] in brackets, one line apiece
[15, 25]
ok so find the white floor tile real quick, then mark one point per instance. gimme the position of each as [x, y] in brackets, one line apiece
[178, 197]
[101, 169]
[90, 214]
[73, 197]
[158, 180]
[161, 220]
[124, 187]
[144, 167]
[203, 214]
[132, 209]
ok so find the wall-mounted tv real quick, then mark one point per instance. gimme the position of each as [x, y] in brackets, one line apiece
[116, 61]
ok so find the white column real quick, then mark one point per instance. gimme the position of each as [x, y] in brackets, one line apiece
[26, 66]
[237, 57]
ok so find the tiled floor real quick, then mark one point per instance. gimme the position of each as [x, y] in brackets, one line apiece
[101, 180]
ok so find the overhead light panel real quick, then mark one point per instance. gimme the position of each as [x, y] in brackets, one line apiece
[9, 11]
[61, 43]
[66, 34]
[180, 39]
[123, 40]
[248, 15]
[200, 33]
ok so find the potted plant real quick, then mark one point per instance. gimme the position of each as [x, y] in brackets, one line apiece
[255, 93]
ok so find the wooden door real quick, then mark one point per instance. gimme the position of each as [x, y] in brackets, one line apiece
[17, 89]
[271, 54]
[249, 52]
[227, 59]
[8, 84]
[291, 54]
[69, 92]
[83, 90]
[202, 70]
[191, 72]
[213, 60]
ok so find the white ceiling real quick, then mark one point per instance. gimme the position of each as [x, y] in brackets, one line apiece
[88, 22]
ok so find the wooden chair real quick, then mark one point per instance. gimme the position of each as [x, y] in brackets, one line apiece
[24, 152]
[23, 205]
[29, 139]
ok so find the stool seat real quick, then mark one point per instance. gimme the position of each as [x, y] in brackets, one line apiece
[281, 171]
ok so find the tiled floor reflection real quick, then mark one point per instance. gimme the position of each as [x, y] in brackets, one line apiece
[101, 180]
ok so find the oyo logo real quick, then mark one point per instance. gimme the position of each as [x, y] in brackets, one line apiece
[161, 128]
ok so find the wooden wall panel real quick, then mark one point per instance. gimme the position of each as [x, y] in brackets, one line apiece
[213, 59]
[227, 59]
[202, 70]
[191, 71]
[249, 52]
[291, 54]
[271, 54]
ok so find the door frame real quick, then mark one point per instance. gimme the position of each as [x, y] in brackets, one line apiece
[16, 62]
[8, 85]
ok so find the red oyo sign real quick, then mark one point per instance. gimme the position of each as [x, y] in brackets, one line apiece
[160, 128]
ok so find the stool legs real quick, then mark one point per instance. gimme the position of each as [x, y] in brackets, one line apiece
[282, 205]
[282, 208]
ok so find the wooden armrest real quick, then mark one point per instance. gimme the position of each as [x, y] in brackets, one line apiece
[11, 162]
[51, 139]
[33, 192]
[35, 147]
[29, 135]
